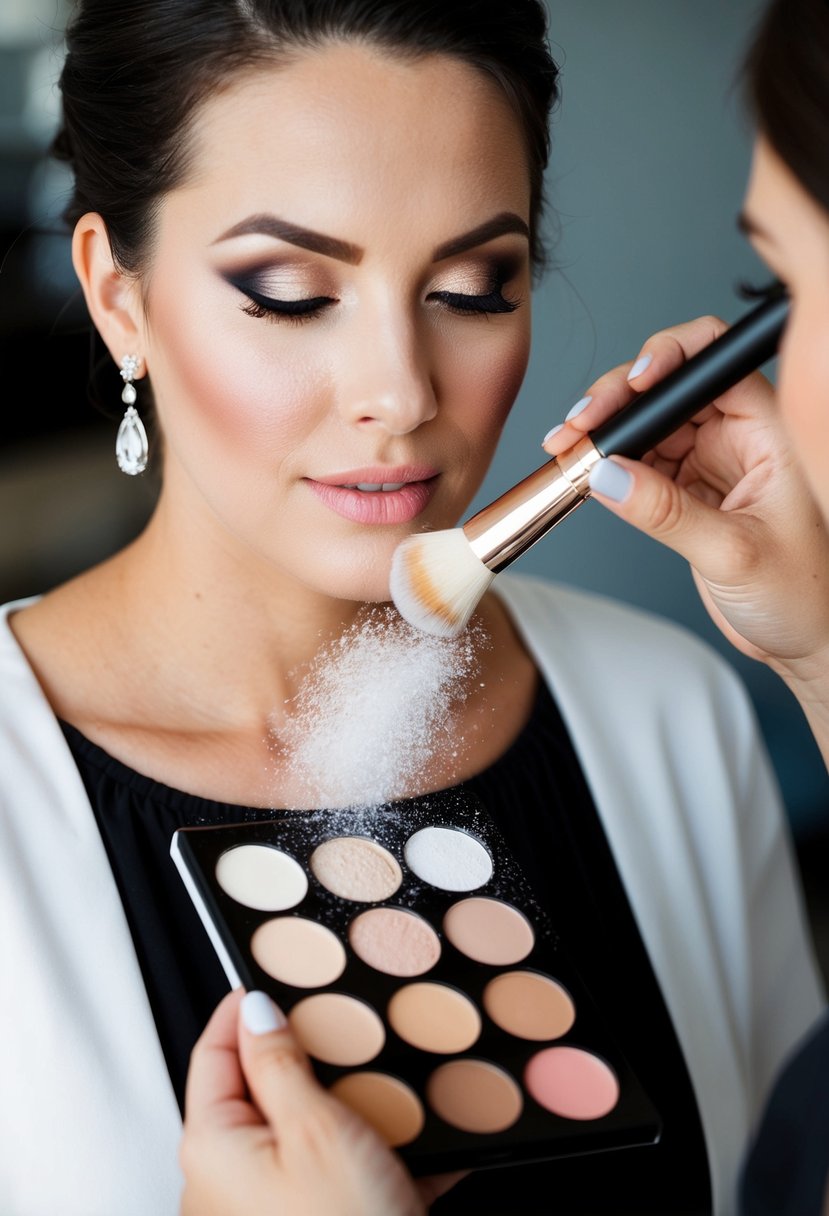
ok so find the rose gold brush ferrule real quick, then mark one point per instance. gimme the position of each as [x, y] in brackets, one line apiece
[501, 532]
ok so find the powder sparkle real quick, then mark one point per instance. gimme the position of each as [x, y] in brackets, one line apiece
[373, 710]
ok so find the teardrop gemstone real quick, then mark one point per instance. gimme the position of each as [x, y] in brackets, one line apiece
[131, 449]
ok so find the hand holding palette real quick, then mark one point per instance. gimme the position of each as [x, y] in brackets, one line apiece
[422, 977]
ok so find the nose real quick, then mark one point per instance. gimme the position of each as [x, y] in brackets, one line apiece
[388, 379]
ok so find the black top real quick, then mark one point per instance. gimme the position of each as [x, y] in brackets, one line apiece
[537, 794]
[786, 1172]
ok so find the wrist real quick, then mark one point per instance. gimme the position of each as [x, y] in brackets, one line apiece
[806, 676]
[808, 680]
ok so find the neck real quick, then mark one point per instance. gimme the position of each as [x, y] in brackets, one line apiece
[221, 628]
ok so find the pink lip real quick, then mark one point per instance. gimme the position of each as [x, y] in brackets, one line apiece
[378, 506]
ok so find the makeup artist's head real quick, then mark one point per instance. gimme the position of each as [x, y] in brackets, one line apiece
[786, 211]
[317, 221]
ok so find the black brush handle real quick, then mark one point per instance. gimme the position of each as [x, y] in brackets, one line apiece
[661, 410]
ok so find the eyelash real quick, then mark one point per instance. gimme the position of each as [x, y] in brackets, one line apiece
[493, 301]
[763, 291]
[299, 311]
[294, 311]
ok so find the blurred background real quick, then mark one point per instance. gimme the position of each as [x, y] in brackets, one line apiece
[651, 150]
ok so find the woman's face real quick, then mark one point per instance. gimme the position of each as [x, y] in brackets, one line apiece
[790, 231]
[339, 296]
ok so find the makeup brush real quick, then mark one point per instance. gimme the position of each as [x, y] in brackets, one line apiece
[437, 578]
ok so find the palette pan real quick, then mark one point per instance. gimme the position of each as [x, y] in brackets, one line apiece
[421, 975]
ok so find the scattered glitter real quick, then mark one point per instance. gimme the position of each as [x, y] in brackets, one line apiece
[374, 709]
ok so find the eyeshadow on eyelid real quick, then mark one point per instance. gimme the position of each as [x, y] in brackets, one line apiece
[478, 278]
[284, 286]
[468, 284]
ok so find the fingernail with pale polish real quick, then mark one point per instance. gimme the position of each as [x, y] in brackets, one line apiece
[554, 431]
[610, 479]
[577, 408]
[641, 365]
[260, 1014]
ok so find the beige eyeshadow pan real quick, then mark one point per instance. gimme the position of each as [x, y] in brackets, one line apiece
[434, 1017]
[489, 930]
[337, 1028]
[394, 940]
[298, 951]
[354, 867]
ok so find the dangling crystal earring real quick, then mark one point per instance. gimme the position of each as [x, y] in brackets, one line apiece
[131, 449]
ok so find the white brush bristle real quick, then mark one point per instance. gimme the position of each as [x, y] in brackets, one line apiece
[437, 580]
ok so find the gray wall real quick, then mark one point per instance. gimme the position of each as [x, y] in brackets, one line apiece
[651, 151]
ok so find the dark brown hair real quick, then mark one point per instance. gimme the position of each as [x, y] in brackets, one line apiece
[786, 75]
[136, 71]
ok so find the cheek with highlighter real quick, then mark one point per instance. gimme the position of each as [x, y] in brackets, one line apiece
[244, 394]
[484, 381]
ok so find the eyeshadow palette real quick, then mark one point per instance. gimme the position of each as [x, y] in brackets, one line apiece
[423, 978]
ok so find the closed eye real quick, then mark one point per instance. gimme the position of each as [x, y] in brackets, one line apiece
[771, 290]
[259, 305]
[490, 302]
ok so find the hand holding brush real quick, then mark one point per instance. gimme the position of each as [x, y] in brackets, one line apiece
[438, 578]
[727, 493]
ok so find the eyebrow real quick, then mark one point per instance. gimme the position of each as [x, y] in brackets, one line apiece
[281, 230]
[507, 221]
[344, 251]
[749, 227]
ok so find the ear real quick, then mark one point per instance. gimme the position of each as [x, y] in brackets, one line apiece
[112, 297]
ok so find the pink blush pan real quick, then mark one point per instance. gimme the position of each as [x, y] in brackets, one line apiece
[572, 1083]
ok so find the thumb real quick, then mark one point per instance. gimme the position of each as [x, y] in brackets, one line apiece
[276, 1067]
[667, 512]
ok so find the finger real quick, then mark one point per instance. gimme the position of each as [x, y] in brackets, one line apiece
[672, 514]
[276, 1067]
[661, 354]
[215, 1084]
[670, 348]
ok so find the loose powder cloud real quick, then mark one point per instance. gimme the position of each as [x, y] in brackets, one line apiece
[374, 708]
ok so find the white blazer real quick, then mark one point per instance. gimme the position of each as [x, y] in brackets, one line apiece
[671, 750]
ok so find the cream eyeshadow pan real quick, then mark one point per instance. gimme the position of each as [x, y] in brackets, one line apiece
[422, 977]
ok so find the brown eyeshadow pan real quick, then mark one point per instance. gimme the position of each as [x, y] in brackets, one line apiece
[475, 1096]
[423, 978]
[529, 1005]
